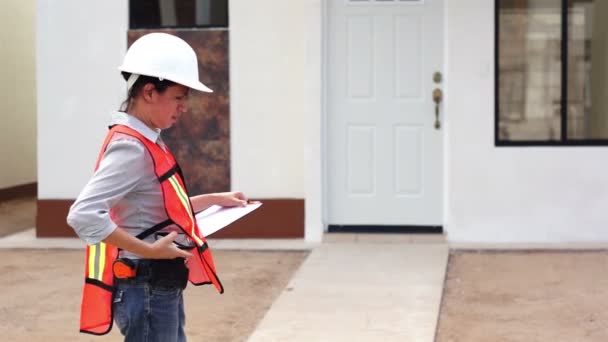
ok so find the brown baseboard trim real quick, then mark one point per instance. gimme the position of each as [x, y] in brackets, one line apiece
[19, 191]
[51, 218]
[275, 219]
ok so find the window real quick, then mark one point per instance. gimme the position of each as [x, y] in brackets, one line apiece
[551, 90]
[383, 1]
[153, 14]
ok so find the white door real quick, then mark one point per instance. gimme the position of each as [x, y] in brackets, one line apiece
[384, 163]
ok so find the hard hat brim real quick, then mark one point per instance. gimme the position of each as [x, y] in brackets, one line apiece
[197, 86]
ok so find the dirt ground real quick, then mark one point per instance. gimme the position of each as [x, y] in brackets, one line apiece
[17, 214]
[40, 293]
[525, 296]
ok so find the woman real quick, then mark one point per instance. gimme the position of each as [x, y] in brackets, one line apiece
[143, 244]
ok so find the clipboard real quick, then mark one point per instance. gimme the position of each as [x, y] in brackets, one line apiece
[217, 217]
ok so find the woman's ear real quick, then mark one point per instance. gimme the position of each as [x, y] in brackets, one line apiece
[147, 92]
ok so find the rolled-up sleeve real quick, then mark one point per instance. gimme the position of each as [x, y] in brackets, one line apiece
[119, 172]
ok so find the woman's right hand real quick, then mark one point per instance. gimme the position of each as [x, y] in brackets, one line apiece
[164, 248]
[161, 249]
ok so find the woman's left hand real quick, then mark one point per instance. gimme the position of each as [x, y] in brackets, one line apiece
[231, 199]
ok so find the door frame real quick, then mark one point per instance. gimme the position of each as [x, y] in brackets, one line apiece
[324, 122]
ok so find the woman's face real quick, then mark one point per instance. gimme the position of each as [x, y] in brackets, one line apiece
[168, 106]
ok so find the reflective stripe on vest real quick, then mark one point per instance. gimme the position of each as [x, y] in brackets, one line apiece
[96, 309]
[185, 202]
[97, 260]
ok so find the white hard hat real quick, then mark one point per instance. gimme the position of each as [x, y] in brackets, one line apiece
[164, 56]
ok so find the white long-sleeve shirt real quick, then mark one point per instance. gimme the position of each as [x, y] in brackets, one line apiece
[123, 192]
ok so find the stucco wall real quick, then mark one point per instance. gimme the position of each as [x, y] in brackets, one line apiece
[509, 194]
[267, 59]
[18, 89]
[80, 44]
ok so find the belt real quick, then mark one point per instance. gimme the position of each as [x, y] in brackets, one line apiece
[166, 273]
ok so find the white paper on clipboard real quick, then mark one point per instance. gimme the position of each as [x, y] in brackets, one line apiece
[216, 217]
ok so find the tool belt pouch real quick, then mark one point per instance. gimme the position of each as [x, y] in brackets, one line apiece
[169, 273]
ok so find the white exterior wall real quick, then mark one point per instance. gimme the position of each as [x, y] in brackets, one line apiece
[509, 194]
[18, 89]
[275, 102]
[313, 120]
[267, 97]
[80, 44]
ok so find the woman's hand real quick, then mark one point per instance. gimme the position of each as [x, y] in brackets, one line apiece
[231, 199]
[224, 199]
[165, 249]
[160, 249]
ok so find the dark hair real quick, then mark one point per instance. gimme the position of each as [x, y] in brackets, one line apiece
[160, 86]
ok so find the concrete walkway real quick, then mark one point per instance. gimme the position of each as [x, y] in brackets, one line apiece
[361, 291]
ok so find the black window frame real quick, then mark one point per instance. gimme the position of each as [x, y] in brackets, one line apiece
[563, 141]
[133, 26]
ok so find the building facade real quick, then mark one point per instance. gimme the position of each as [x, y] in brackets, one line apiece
[474, 117]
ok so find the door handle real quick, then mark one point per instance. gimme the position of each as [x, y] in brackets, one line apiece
[437, 97]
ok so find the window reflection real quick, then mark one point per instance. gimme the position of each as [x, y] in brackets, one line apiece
[529, 66]
[587, 69]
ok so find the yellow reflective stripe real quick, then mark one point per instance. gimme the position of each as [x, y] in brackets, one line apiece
[97, 260]
[102, 260]
[181, 194]
[92, 252]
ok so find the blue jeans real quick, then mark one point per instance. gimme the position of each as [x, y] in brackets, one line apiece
[147, 314]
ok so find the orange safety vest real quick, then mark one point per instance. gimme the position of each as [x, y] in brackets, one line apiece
[96, 309]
